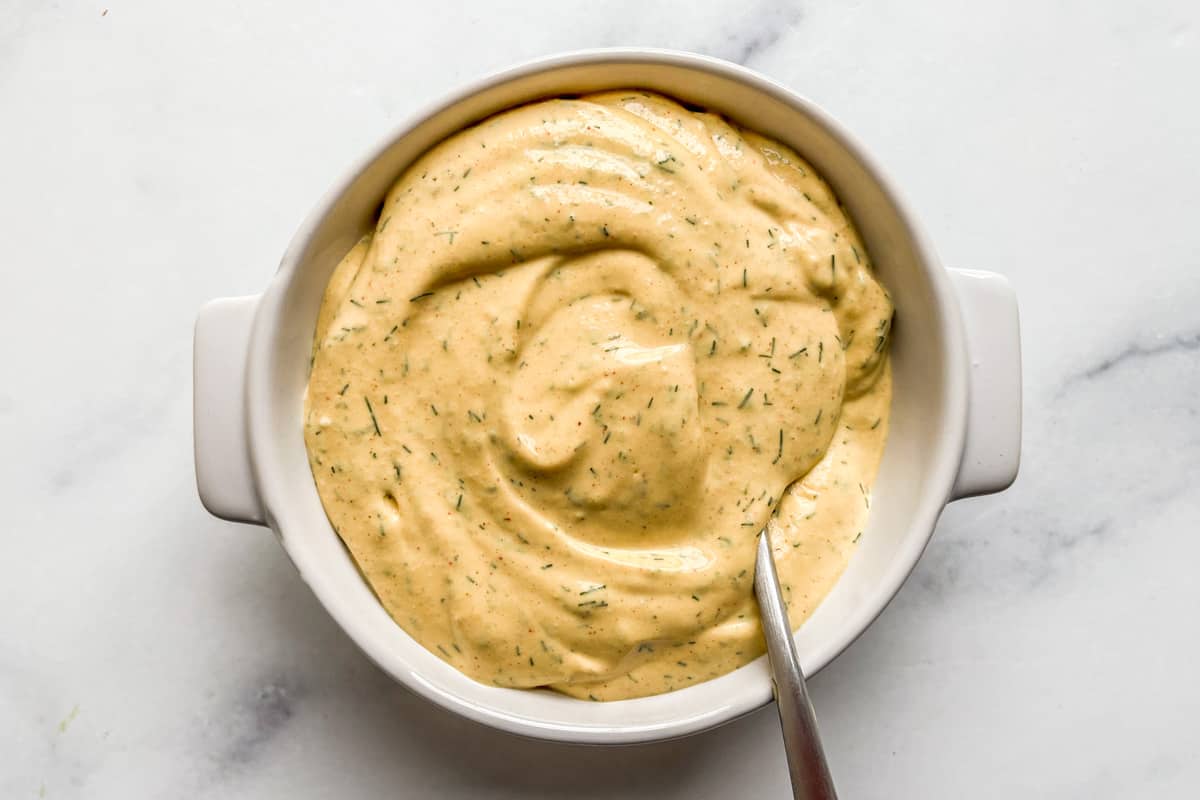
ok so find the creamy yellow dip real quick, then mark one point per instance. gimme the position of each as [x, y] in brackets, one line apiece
[592, 346]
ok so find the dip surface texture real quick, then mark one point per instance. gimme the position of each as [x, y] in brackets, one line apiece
[588, 348]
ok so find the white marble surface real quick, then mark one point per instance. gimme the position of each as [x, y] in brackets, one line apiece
[162, 154]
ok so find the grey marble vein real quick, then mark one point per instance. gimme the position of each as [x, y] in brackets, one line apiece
[261, 714]
[1179, 343]
[757, 30]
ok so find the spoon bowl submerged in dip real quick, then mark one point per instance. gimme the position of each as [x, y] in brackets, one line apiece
[252, 465]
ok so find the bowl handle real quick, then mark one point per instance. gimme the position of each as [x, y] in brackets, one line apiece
[223, 474]
[992, 451]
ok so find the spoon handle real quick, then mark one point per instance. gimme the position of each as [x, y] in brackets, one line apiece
[806, 759]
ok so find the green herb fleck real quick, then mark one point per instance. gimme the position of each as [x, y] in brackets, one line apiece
[374, 421]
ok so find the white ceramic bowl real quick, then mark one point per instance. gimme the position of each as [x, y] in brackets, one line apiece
[956, 416]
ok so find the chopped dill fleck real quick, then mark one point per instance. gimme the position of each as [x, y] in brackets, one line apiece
[746, 399]
[371, 411]
[420, 297]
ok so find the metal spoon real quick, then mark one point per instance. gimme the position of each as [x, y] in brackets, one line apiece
[806, 759]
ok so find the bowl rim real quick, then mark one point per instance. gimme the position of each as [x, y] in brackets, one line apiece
[945, 466]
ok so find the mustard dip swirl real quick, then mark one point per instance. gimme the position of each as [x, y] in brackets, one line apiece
[574, 371]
